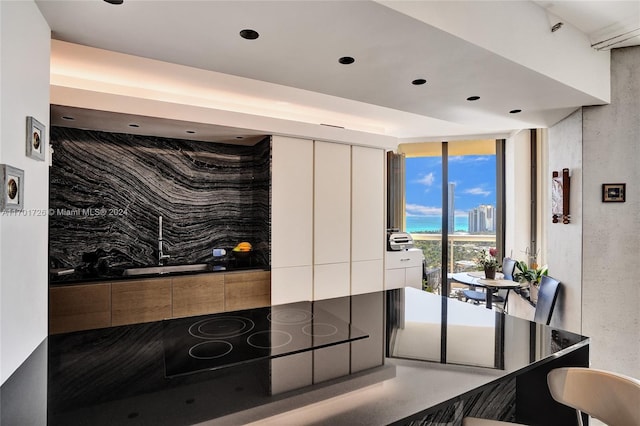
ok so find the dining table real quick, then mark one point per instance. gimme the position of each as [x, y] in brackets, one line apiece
[477, 279]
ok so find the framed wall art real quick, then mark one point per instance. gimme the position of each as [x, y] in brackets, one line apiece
[560, 194]
[36, 132]
[614, 192]
[12, 181]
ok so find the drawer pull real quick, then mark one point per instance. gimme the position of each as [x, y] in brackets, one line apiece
[405, 260]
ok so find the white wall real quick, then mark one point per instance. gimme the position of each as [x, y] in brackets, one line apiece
[517, 198]
[24, 52]
[563, 248]
[611, 243]
[601, 144]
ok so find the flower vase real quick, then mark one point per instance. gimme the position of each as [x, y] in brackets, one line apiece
[533, 292]
[490, 272]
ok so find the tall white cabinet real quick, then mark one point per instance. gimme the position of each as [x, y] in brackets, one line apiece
[367, 219]
[327, 224]
[331, 220]
[291, 220]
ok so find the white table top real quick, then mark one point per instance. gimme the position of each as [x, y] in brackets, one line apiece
[480, 274]
[498, 283]
[470, 278]
[476, 278]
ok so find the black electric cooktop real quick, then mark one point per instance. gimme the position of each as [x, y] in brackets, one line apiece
[220, 340]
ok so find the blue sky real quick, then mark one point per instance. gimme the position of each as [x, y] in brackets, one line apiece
[474, 176]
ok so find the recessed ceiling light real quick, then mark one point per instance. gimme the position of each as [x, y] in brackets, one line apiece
[249, 34]
[419, 81]
[515, 111]
[346, 60]
[67, 117]
[191, 131]
[114, 1]
[134, 125]
[473, 98]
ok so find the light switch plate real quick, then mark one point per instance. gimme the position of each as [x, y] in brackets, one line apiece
[36, 142]
[12, 184]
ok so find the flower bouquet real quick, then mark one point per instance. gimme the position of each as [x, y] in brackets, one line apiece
[487, 260]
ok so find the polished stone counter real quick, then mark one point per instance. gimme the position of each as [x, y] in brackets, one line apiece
[95, 277]
[426, 359]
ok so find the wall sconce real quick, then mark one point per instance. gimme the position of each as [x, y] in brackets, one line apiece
[560, 190]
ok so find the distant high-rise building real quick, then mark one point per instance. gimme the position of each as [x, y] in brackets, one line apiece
[452, 208]
[482, 219]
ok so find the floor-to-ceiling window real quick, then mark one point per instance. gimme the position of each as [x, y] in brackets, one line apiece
[452, 203]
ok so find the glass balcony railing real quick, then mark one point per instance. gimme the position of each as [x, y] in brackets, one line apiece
[463, 250]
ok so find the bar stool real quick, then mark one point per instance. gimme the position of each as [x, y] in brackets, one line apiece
[609, 397]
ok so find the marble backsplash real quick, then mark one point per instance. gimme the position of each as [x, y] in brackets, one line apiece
[107, 191]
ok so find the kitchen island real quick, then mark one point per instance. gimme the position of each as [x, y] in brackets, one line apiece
[379, 358]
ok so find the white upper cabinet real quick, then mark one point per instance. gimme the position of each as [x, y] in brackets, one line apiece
[332, 203]
[367, 204]
[327, 220]
[367, 219]
[291, 202]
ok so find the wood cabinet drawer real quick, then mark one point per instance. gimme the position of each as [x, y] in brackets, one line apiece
[197, 295]
[245, 290]
[98, 305]
[140, 301]
[79, 307]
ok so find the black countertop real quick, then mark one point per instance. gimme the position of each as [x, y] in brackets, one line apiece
[84, 276]
[435, 350]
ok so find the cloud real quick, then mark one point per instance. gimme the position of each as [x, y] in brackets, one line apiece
[418, 210]
[477, 191]
[426, 180]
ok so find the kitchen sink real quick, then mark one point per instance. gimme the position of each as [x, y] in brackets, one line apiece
[156, 270]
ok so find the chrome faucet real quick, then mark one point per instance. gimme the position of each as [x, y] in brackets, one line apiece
[161, 255]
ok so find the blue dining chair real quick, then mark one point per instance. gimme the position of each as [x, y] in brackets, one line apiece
[547, 297]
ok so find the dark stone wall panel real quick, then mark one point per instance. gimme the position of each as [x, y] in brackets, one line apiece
[107, 191]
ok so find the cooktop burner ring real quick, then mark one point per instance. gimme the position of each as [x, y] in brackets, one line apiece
[219, 349]
[290, 316]
[269, 343]
[320, 329]
[221, 327]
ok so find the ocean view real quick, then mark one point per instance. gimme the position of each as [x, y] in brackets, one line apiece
[434, 224]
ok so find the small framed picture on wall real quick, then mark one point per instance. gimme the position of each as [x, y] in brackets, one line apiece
[36, 133]
[614, 192]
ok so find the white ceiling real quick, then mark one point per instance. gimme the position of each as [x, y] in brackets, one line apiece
[608, 23]
[300, 43]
